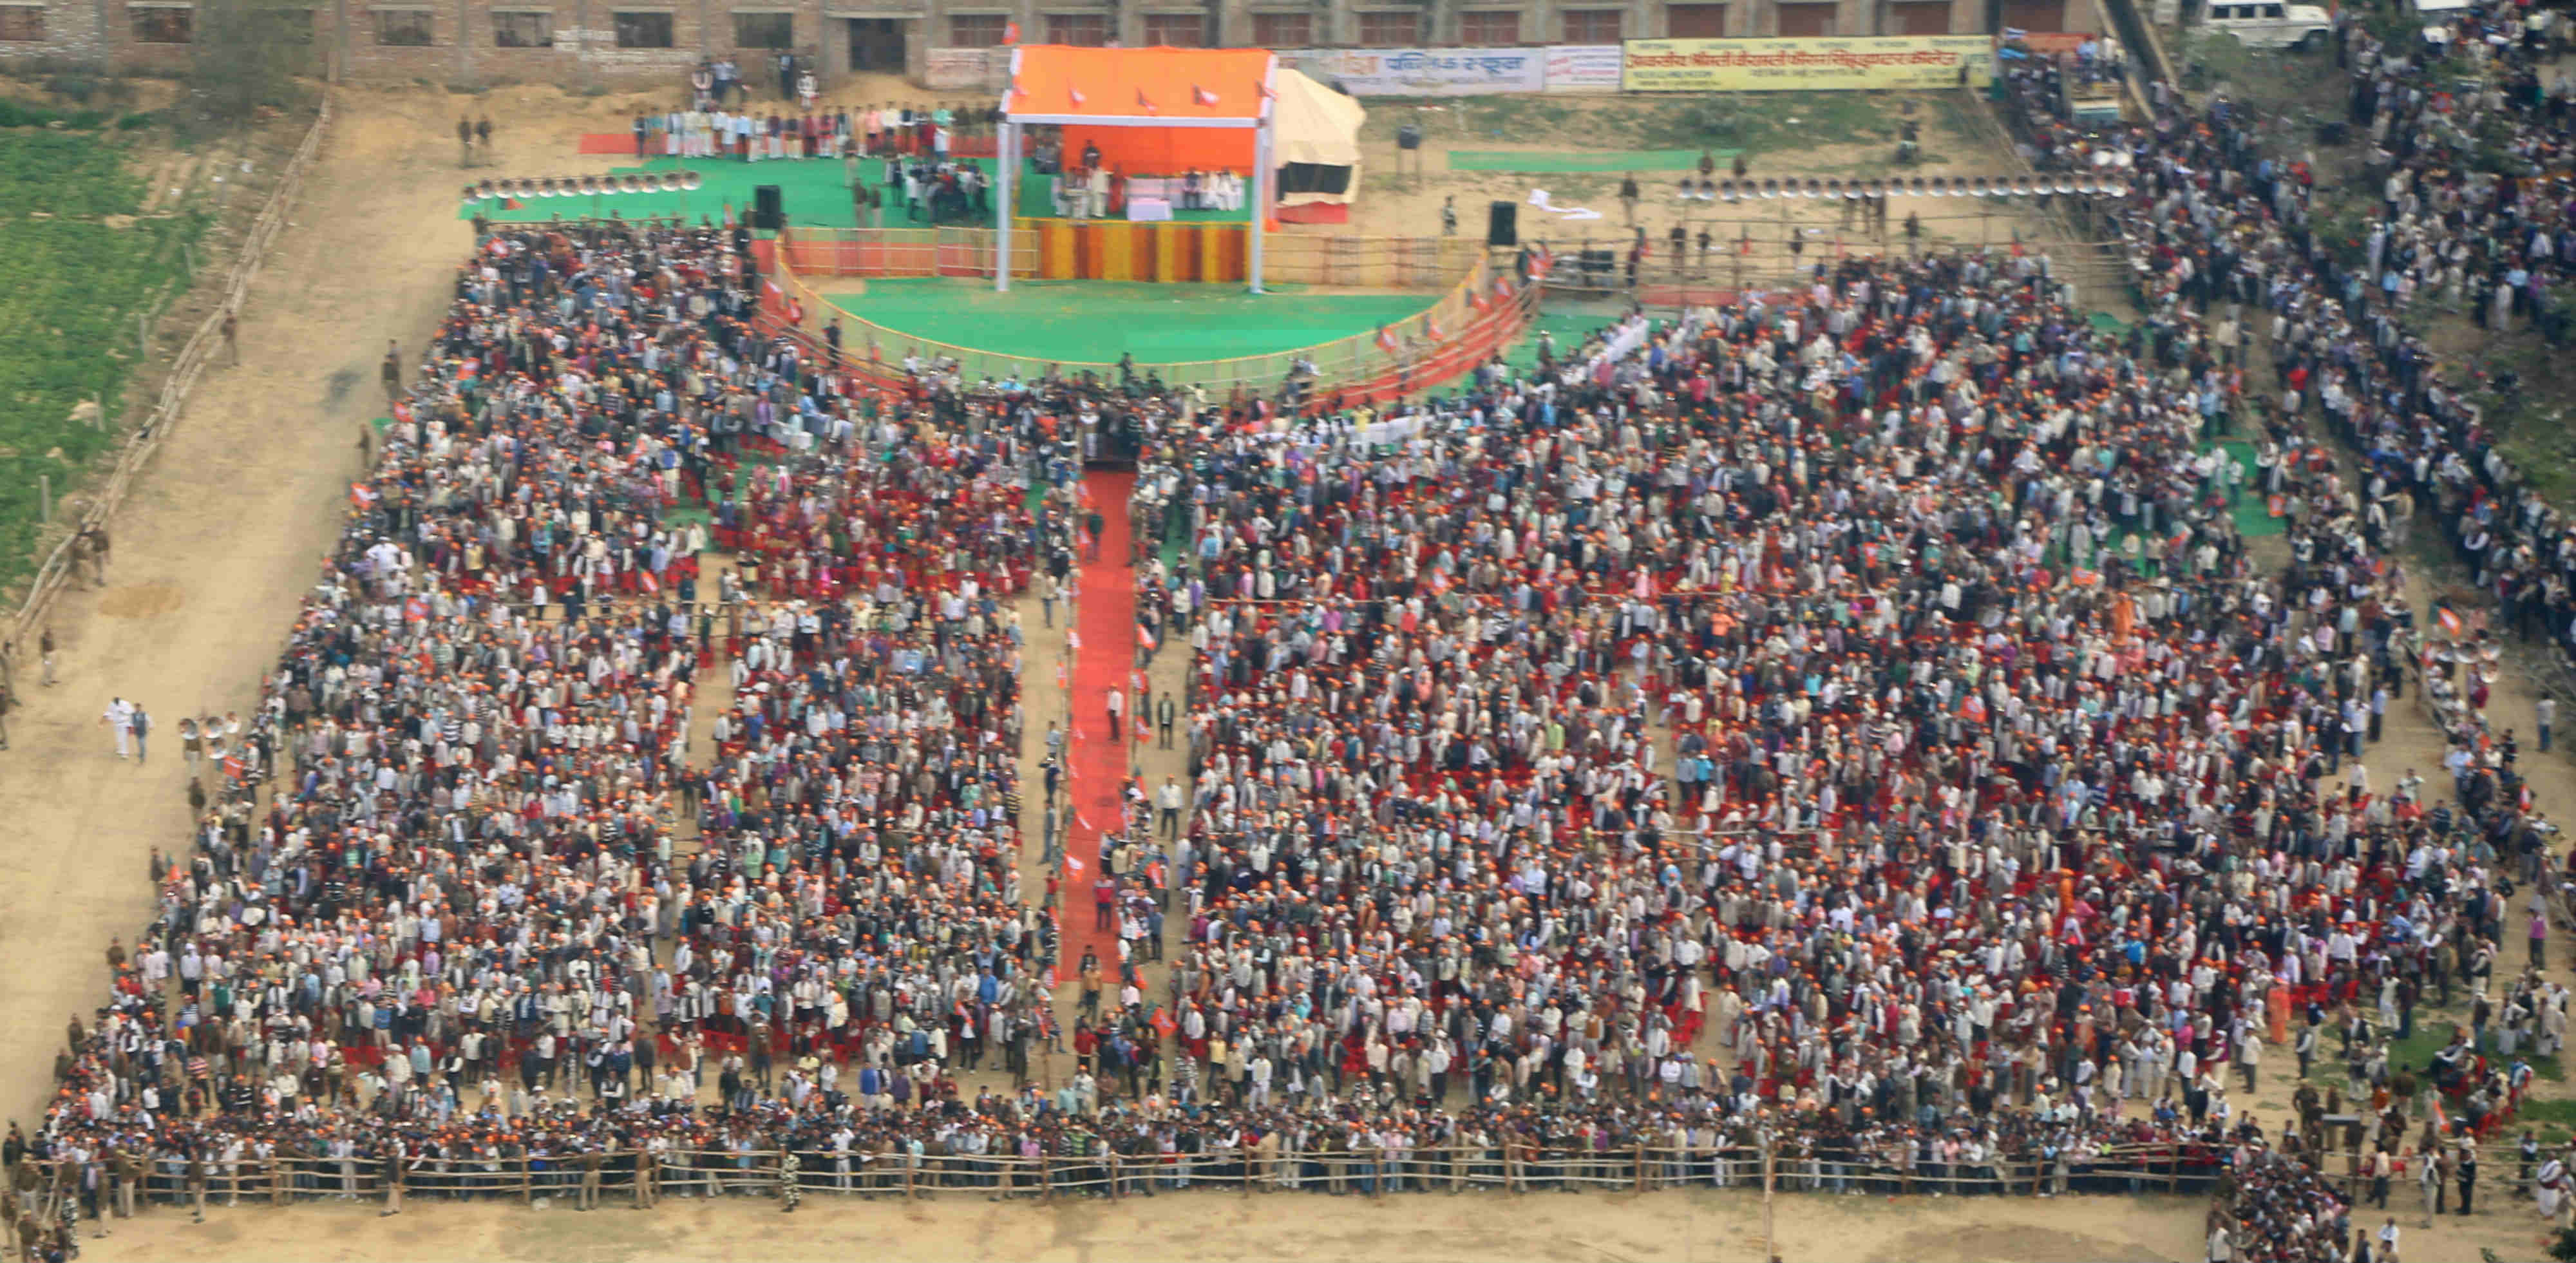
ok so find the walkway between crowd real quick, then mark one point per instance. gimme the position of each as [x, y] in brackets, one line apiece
[1103, 655]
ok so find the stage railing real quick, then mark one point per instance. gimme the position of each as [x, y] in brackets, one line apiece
[890, 253]
[1481, 312]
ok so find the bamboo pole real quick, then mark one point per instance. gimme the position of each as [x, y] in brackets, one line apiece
[1770, 1243]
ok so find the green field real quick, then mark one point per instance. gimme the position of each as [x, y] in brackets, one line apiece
[1542, 162]
[71, 284]
[1097, 321]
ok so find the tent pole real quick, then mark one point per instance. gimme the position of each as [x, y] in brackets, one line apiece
[1260, 192]
[1005, 159]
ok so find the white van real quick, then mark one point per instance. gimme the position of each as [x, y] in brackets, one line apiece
[2437, 16]
[2273, 25]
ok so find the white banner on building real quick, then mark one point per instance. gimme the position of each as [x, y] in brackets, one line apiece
[1583, 67]
[1427, 71]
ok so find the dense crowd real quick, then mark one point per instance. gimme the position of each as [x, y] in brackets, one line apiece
[2012, 810]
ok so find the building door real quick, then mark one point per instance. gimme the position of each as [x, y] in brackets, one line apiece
[876, 45]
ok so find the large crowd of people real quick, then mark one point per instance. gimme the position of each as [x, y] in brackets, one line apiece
[1851, 723]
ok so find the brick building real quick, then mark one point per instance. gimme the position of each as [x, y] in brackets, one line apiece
[466, 41]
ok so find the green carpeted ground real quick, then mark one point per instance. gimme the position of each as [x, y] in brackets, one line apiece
[812, 191]
[1097, 321]
[1570, 330]
[1610, 160]
[815, 192]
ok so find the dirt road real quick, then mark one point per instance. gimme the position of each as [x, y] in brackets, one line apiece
[1415, 1228]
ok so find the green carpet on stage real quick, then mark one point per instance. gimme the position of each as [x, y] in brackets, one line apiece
[813, 191]
[1097, 321]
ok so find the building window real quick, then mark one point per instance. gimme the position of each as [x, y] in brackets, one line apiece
[1695, 21]
[643, 30]
[22, 23]
[523, 30]
[1176, 30]
[1920, 17]
[1078, 30]
[1401, 29]
[977, 30]
[288, 26]
[2036, 15]
[764, 30]
[403, 28]
[1807, 21]
[163, 26]
[1283, 30]
[1592, 26]
[1489, 27]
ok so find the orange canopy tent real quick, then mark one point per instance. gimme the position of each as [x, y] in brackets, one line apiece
[1149, 111]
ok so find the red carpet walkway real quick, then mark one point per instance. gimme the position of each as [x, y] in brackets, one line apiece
[1096, 765]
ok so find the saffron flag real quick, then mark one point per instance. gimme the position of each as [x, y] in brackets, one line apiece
[1010, 32]
[1386, 339]
[1201, 96]
[1145, 103]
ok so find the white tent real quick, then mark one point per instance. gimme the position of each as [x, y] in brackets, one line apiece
[1315, 141]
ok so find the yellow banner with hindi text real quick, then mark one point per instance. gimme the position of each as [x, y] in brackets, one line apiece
[1807, 65]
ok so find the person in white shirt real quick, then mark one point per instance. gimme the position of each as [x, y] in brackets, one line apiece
[119, 717]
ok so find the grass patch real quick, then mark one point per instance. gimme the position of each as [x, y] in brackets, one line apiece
[70, 287]
[2554, 1120]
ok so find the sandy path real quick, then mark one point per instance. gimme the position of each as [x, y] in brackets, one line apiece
[1415, 1228]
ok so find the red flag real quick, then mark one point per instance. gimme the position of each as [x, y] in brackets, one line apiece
[1145, 104]
[1476, 299]
[1386, 339]
[1201, 96]
[510, 203]
[1431, 329]
[1010, 32]
[1503, 288]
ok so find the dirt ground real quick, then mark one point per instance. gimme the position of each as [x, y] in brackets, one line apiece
[221, 539]
[1698, 1226]
[1402, 196]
